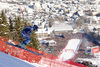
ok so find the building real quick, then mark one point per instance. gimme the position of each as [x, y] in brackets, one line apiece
[60, 28]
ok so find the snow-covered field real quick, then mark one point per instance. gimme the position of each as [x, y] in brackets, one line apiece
[10, 61]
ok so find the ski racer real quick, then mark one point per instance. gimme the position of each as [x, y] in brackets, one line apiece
[26, 34]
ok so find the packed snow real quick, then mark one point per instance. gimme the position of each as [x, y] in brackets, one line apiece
[69, 51]
[10, 61]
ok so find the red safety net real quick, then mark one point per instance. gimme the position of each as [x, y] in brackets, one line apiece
[47, 60]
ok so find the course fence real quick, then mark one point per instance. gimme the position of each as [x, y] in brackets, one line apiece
[47, 60]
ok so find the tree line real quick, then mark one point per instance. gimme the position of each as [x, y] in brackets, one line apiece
[11, 29]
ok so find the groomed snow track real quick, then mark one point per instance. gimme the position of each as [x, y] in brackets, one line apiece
[70, 50]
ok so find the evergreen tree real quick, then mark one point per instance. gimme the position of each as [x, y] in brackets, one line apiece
[34, 41]
[6, 31]
[19, 25]
[10, 25]
[13, 30]
[3, 18]
[0, 20]
[4, 26]
[25, 23]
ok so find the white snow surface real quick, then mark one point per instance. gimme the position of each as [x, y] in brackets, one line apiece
[73, 44]
[10, 61]
[67, 52]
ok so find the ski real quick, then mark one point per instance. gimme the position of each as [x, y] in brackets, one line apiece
[22, 48]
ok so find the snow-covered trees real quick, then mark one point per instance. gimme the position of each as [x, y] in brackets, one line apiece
[18, 26]
[3, 18]
[4, 26]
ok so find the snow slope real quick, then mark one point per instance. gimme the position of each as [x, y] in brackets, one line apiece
[69, 51]
[10, 61]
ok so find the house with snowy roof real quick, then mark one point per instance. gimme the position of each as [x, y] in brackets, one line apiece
[43, 32]
[61, 28]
